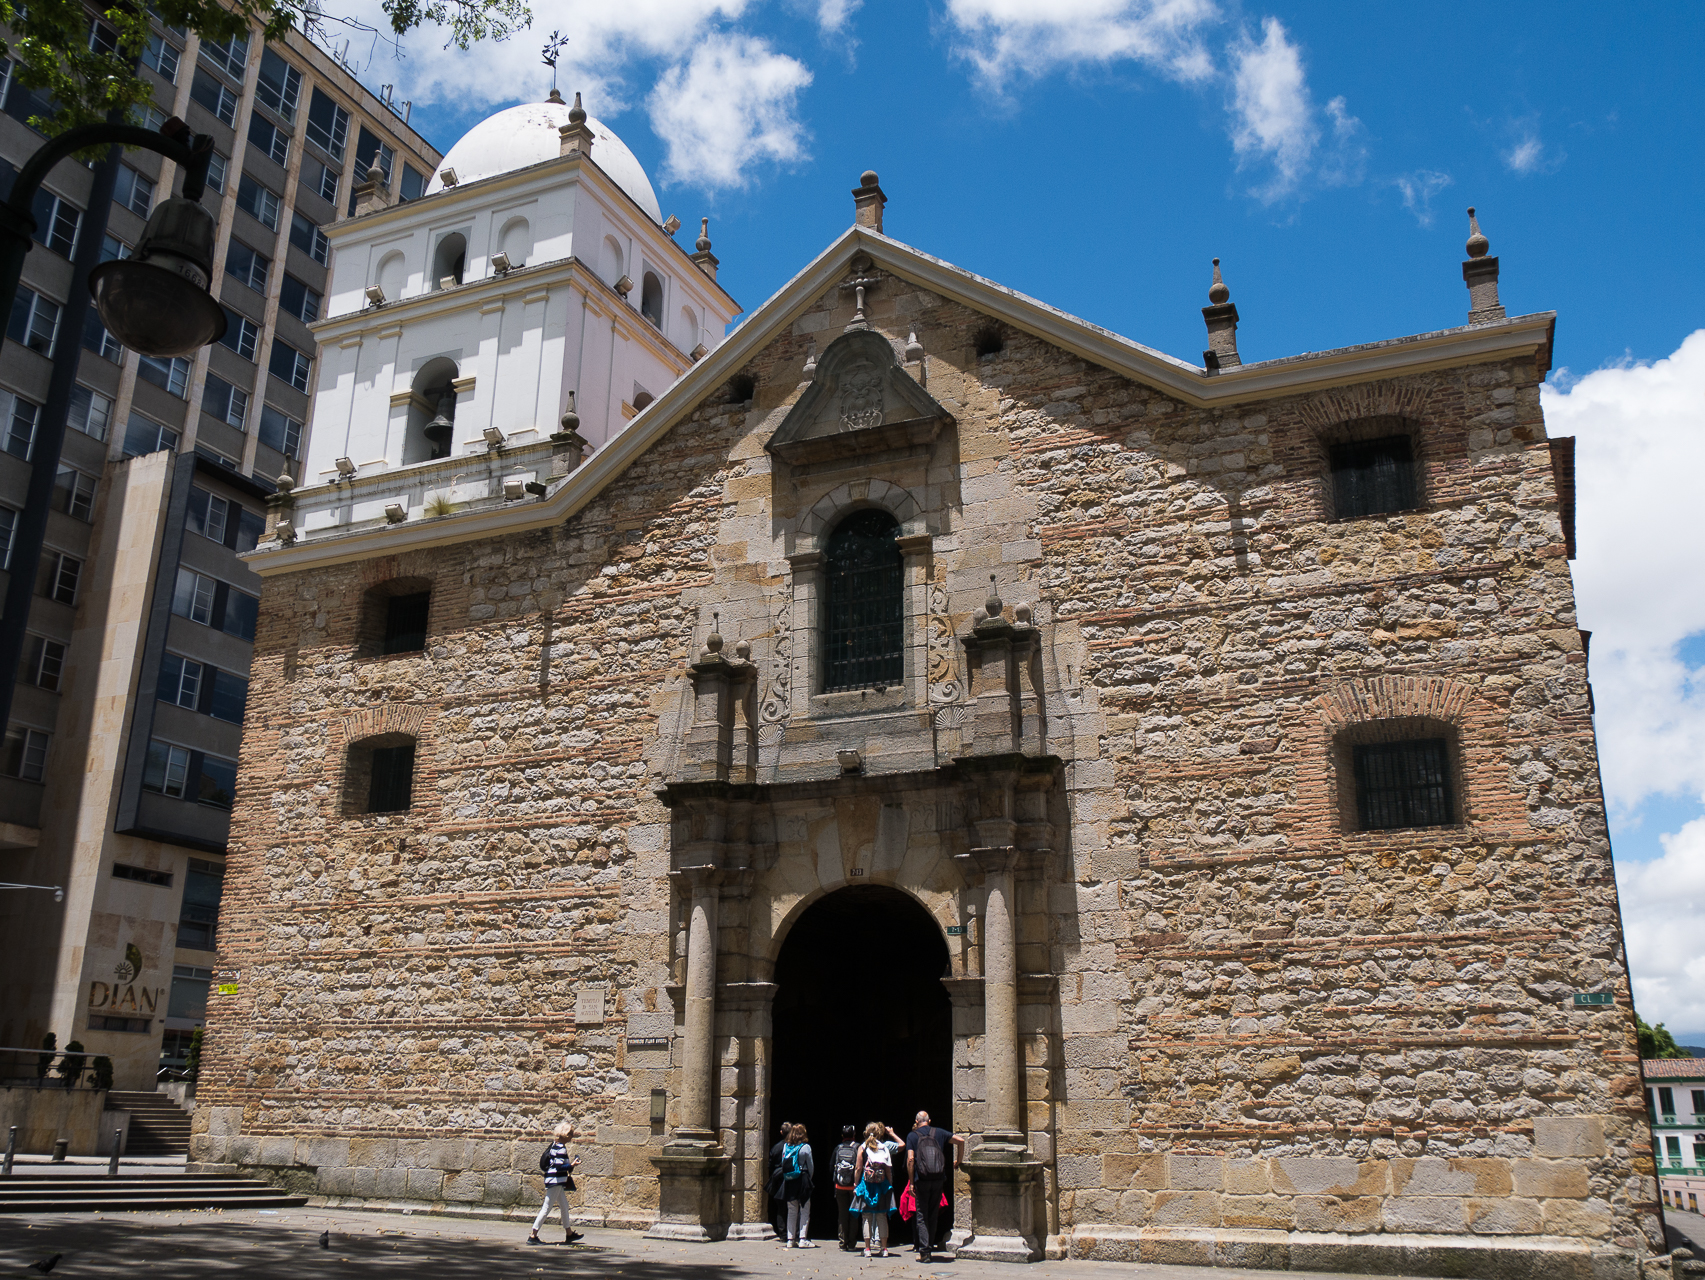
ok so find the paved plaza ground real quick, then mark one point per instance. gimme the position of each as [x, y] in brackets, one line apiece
[260, 1244]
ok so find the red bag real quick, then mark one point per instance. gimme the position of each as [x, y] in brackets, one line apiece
[909, 1203]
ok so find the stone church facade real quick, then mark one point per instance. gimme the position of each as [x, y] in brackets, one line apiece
[1259, 834]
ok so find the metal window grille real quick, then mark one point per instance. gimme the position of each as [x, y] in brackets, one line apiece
[866, 604]
[391, 787]
[1372, 477]
[405, 623]
[1403, 784]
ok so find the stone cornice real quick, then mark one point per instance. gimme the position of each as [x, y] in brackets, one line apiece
[1515, 338]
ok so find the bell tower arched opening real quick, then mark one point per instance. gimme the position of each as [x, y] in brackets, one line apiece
[861, 1027]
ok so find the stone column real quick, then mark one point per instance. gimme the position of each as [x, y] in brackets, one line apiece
[1005, 1175]
[693, 1166]
[1004, 1122]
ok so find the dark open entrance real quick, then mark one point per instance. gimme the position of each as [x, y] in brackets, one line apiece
[862, 1028]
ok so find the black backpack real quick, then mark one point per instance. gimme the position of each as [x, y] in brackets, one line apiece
[931, 1160]
[846, 1164]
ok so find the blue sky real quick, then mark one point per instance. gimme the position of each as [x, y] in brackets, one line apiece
[1098, 153]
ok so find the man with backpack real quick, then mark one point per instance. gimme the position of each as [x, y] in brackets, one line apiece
[846, 1180]
[928, 1167]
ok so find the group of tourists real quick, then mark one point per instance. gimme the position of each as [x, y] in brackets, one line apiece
[867, 1171]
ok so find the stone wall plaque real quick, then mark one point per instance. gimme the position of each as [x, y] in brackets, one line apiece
[589, 1006]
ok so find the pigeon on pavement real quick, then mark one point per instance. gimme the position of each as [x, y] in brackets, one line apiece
[325, 1239]
[44, 1265]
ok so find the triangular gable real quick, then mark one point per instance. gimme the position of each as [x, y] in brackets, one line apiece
[860, 401]
[1173, 377]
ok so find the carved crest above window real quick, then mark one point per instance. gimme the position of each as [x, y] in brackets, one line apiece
[860, 401]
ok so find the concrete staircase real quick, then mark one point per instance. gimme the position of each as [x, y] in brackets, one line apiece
[158, 1126]
[75, 1193]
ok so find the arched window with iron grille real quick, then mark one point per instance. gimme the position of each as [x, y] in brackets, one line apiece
[865, 615]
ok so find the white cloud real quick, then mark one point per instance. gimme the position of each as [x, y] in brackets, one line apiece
[1007, 38]
[1418, 190]
[1640, 432]
[1346, 161]
[1273, 119]
[1662, 901]
[729, 106]
[723, 102]
[1528, 154]
[832, 15]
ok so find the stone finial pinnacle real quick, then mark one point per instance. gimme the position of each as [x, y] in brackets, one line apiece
[555, 95]
[1478, 244]
[702, 244]
[576, 113]
[1218, 293]
[868, 201]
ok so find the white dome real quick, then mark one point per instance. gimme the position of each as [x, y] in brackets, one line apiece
[527, 135]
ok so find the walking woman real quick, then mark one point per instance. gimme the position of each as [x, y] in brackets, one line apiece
[558, 1168]
[875, 1190]
[796, 1188]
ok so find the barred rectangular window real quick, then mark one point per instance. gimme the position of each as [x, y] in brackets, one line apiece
[218, 171]
[112, 249]
[142, 875]
[391, 788]
[223, 401]
[1373, 477]
[180, 681]
[1403, 784]
[865, 604]
[8, 528]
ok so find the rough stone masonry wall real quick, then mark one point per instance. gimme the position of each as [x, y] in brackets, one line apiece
[1272, 1024]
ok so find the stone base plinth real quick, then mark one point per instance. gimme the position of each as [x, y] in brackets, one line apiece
[752, 1231]
[1005, 1188]
[690, 1202]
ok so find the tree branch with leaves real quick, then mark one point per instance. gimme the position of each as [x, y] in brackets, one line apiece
[85, 58]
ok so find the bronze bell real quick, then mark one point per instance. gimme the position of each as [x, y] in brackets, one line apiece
[442, 427]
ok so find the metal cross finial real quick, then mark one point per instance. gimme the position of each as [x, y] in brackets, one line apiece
[553, 50]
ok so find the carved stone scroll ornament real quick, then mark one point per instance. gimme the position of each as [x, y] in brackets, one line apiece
[945, 686]
[777, 706]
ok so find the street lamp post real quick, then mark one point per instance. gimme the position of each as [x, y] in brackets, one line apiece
[57, 892]
[156, 302]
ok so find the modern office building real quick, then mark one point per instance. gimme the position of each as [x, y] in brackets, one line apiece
[1675, 1104]
[120, 757]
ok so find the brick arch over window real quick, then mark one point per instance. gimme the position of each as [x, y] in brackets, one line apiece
[1375, 718]
[390, 724]
[1363, 414]
[832, 507]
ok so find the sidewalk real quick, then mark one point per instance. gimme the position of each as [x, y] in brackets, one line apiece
[261, 1244]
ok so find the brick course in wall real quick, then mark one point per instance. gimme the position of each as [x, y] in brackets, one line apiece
[1268, 1038]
